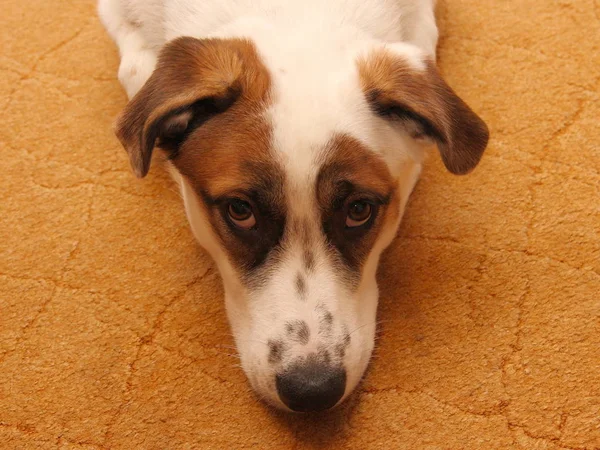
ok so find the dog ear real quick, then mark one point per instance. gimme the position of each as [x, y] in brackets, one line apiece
[194, 79]
[426, 105]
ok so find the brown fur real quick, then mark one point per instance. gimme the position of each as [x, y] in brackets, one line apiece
[428, 105]
[351, 170]
[204, 105]
[219, 72]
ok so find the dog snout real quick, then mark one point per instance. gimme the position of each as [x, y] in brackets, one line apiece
[311, 385]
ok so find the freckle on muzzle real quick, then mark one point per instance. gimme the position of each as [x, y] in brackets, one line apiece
[311, 385]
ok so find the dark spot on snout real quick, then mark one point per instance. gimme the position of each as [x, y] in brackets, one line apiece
[325, 322]
[309, 261]
[340, 350]
[300, 286]
[298, 331]
[346, 336]
[276, 349]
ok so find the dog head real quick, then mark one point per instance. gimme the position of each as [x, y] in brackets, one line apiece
[294, 175]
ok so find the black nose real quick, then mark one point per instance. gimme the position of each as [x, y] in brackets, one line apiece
[311, 386]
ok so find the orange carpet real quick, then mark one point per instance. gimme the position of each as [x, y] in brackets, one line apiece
[112, 328]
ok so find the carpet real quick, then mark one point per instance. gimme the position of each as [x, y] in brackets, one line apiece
[112, 328]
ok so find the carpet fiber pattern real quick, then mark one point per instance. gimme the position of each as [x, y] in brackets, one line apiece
[112, 328]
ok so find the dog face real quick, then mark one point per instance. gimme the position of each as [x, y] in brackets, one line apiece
[294, 179]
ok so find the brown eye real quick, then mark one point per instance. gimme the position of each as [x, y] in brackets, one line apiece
[359, 212]
[240, 213]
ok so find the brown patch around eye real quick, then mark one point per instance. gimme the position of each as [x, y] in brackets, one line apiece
[351, 172]
[230, 153]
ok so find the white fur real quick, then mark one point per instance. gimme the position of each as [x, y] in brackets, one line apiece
[310, 48]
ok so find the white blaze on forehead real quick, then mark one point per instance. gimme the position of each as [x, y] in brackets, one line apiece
[313, 99]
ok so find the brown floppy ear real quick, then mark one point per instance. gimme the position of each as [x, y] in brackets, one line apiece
[194, 79]
[427, 106]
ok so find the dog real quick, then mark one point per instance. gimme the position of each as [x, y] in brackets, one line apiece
[296, 131]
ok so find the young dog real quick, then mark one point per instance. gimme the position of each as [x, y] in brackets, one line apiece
[296, 131]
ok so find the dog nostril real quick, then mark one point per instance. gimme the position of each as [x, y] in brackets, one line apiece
[311, 386]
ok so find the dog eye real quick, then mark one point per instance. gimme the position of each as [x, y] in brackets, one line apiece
[359, 212]
[240, 213]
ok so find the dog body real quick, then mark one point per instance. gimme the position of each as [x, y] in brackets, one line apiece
[296, 131]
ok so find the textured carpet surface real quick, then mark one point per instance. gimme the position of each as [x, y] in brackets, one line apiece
[112, 328]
